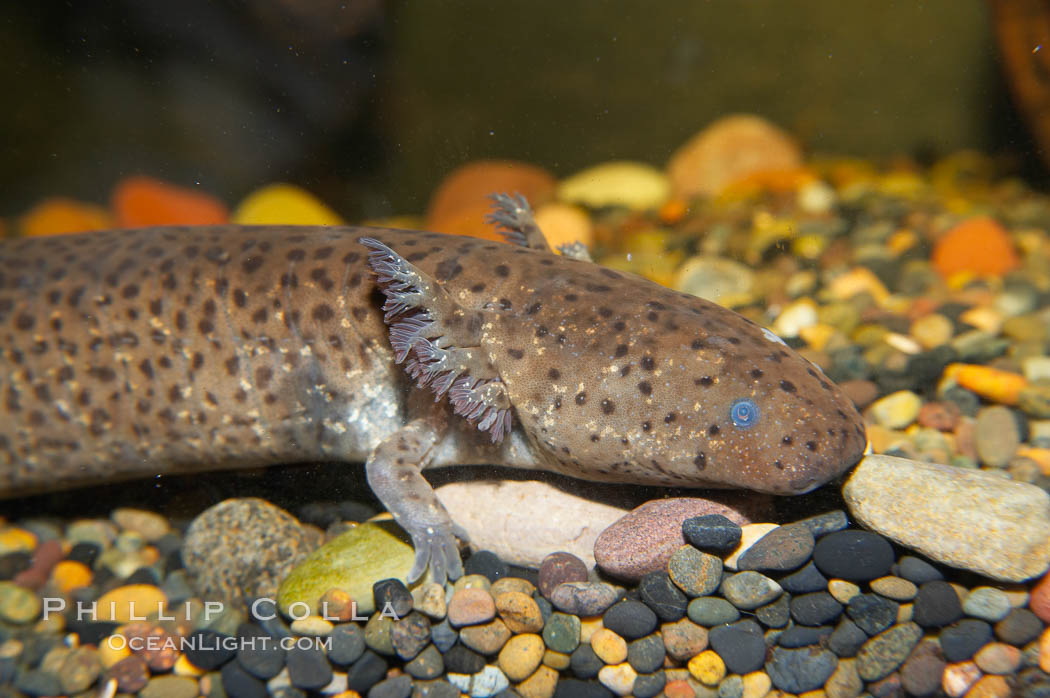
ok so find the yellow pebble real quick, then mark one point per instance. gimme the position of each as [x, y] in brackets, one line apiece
[757, 684]
[707, 668]
[14, 539]
[619, 679]
[71, 574]
[588, 626]
[563, 224]
[131, 602]
[610, 647]
[112, 649]
[842, 591]
[184, 667]
[521, 656]
[558, 661]
[1044, 651]
[284, 204]
[58, 216]
[540, 685]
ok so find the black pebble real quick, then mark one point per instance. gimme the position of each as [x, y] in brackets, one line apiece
[1020, 627]
[463, 660]
[443, 635]
[659, 593]
[584, 663]
[85, 552]
[143, 575]
[308, 668]
[828, 522]
[394, 687]
[630, 619]
[649, 685]
[712, 532]
[872, 613]
[365, 672]
[804, 635]
[575, 688]
[90, 632]
[801, 670]
[14, 562]
[646, 654]
[238, 683]
[855, 555]
[348, 644]
[817, 608]
[210, 649]
[776, 614]
[961, 641]
[917, 570]
[259, 653]
[392, 591]
[742, 651]
[936, 605]
[846, 639]
[486, 563]
[806, 580]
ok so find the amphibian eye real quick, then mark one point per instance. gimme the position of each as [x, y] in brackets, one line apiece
[743, 413]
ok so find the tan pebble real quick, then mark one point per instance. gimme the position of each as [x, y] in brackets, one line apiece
[184, 667]
[131, 602]
[749, 535]
[540, 685]
[998, 658]
[1044, 651]
[622, 183]
[619, 678]
[312, 626]
[521, 656]
[150, 525]
[844, 682]
[559, 661]
[472, 581]
[932, 330]
[505, 584]
[990, 687]
[337, 606]
[519, 611]
[756, 684]
[842, 591]
[588, 626]
[18, 605]
[707, 668]
[683, 639]
[679, 688]
[895, 588]
[610, 647]
[486, 638]
[1018, 596]
[169, 687]
[896, 410]
[905, 612]
[470, 606]
[11, 648]
[958, 678]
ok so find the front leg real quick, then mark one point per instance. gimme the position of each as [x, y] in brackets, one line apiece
[393, 472]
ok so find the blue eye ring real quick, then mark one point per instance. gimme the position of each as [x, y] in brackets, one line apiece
[744, 413]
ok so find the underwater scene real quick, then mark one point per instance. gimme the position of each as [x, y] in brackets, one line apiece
[398, 349]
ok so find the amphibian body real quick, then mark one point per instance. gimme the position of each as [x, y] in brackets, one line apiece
[161, 350]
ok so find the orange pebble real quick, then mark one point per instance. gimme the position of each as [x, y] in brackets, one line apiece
[673, 210]
[464, 192]
[1039, 601]
[679, 689]
[140, 201]
[990, 383]
[58, 216]
[70, 574]
[978, 246]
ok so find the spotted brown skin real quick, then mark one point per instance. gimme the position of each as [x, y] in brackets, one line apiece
[134, 353]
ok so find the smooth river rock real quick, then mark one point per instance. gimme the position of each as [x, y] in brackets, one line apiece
[964, 518]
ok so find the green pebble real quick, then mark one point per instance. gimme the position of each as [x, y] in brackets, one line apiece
[378, 634]
[80, 670]
[169, 687]
[428, 664]
[18, 605]
[36, 682]
[561, 633]
[710, 611]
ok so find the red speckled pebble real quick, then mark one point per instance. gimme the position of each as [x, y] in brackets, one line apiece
[45, 557]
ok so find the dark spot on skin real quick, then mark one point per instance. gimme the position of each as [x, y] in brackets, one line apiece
[24, 322]
[608, 407]
[146, 368]
[515, 353]
[605, 312]
[505, 304]
[647, 363]
[104, 374]
[180, 321]
[198, 361]
[174, 393]
[571, 297]
[323, 312]
[209, 307]
[757, 373]
[646, 426]
[232, 365]
[478, 287]
[502, 270]
[811, 445]
[619, 325]
[705, 381]
[259, 316]
[625, 371]
[65, 374]
[671, 416]
[652, 316]
[621, 351]
[130, 291]
[295, 255]
[787, 441]
[323, 252]
[240, 298]
[713, 430]
[554, 374]
[263, 375]
[787, 386]
[533, 308]
[557, 403]
[205, 326]
[354, 281]
[156, 306]
[700, 461]
[42, 392]
[645, 388]
[353, 257]
[542, 331]
[581, 398]
[697, 344]
[359, 313]
[778, 465]
[240, 396]
[733, 340]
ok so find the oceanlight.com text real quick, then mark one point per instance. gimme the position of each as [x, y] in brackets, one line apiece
[204, 642]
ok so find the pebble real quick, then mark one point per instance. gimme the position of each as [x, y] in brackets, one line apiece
[924, 506]
[847, 639]
[805, 580]
[521, 656]
[619, 678]
[896, 410]
[519, 612]
[683, 639]
[854, 555]
[391, 595]
[757, 684]
[80, 669]
[169, 687]
[487, 638]
[630, 619]
[775, 614]
[872, 613]
[646, 654]
[710, 611]
[1020, 627]
[817, 608]
[882, 654]
[716, 279]
[561, 632]
[916, 570]
[560, 568]
[131, 674]
[585, 663]
[608, 646]
[986, 603]
[823, 524]
[659, 593]
[742, 651]
[960, 641]
[17, 604]
[842, 590]
[803, 635]
[998, 658]
[707, 668]
[487, 682]
[347, 644]
[895, 588]
[241, 549]
[261, 655]
[428, 664]
[584, 598]
[393, 687]
[783, 549]
[749, 590]
[632, 185]
[471, 606]
[694, 572]
[749, 535]
[998, 436]
[936, 605]
[800, 670]
[644, 540]
[370, 668]
[958, 678]
[409, 635]
[36, 682]
[922, 670]
[150, 525]
[462, 660]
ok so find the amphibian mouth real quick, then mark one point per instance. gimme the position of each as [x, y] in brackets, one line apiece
[161, 350]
